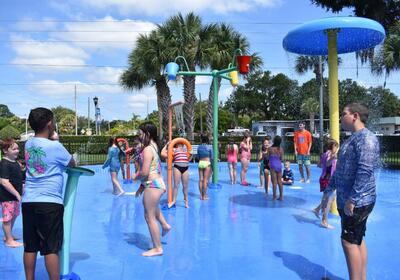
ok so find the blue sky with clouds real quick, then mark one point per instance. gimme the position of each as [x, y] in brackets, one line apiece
[48, 47]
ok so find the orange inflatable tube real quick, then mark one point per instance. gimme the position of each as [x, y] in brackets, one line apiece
[170, 158]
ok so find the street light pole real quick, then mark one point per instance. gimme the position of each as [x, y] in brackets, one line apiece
[26, 125]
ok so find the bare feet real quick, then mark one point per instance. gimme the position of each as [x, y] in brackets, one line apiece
[13, 244]
[14, 237]
[326, 225]
[280, 198]
[316, 212]
[274, 197]
[205, 197]
[186, 204]
[121, 193]
[153, 252]
[171, 204]
[165, 230]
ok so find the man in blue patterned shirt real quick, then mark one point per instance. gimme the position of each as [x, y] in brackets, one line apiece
[354, 181]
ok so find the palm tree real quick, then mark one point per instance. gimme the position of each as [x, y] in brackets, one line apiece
[388, 58]
[305, 63]
[146, 62]
[310, 106]
[223, 45]
[186, 36]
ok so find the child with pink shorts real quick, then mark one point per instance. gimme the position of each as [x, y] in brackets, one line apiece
[10, 189]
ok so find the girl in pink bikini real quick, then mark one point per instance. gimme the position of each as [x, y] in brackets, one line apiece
[245, 155]
[232, 151]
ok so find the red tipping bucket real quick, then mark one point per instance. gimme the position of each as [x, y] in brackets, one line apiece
[243, 62]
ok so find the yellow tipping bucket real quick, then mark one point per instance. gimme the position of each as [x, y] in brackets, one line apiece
[234, 78]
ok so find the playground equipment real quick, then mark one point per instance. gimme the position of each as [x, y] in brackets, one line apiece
[69, 203]
[128, 152]
[170, 151]
[333, 36]
[239, 63]
[330, 36]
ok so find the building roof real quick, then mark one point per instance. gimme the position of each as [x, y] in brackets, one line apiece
[390, 120]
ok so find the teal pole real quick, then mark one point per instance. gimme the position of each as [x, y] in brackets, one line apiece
[215, 127]
[69, 203]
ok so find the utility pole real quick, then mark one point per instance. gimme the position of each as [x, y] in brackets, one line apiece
[88, 113]
[321, 108]
[76, 116]
[147, 116]
[201, 116]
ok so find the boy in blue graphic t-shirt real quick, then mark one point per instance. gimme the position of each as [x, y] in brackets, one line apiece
[42, 202]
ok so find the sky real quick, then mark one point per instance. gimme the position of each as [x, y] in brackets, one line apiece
[49, 48]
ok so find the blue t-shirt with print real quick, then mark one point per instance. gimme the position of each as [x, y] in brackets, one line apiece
[46, 161]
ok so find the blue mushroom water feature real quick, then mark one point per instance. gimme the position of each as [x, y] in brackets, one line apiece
[333, 36]
[69, 203]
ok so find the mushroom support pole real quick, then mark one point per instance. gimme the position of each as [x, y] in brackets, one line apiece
[333, 84]
[333, 94]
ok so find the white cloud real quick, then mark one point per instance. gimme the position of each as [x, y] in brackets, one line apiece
[55, 89]
[29, 24]
[225, 92]
[107, 33]
[153, 7]
[38, 52]
[105, 75]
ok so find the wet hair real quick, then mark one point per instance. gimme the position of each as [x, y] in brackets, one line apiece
[150, 133]
[112, 141]
[204, 139]
[6, 144]
[263, 147]
[230, 146]
[360, 109]
[39, 118]
[246, 135]
[267, 138]
[331, 143]
[277, 141]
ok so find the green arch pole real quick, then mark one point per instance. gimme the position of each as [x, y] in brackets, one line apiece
[215, 128]
[69, 203]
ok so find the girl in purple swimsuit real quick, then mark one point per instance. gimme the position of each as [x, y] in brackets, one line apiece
[275, 164]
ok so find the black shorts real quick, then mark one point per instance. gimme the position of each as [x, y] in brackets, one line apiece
[43, 227]
[354, 227]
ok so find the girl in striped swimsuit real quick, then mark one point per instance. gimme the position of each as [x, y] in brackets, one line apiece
[180, 170]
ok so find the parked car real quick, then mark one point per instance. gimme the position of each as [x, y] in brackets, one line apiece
[289, 134]
[238, 130]
[326, 135]
[261, 133]
[396, 133]
[27, 136]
